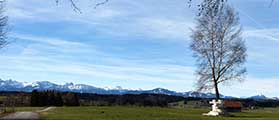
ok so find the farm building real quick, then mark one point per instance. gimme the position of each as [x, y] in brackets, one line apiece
[233, 106]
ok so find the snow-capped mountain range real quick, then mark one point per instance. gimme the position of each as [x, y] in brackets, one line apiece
[11, 85]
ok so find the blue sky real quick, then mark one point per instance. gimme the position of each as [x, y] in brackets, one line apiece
[139, 44]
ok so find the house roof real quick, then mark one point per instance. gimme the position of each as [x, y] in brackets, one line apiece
[233, 104]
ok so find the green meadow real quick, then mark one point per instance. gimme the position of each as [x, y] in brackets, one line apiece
[151, 113]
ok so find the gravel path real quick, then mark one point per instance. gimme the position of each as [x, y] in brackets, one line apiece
[22, 116]
[46, 109]
[26, 115]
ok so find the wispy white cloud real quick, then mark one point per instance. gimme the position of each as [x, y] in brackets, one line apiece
[44, 45]
[35, 59]
[114, 19]
[254, 86]
[47, 40]
[263, 34]
[48, 11]
[122, 71]
[166, 28]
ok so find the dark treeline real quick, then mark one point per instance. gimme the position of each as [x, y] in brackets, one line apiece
[46, 98]
[128, 99]
[55, 98]
[259, 103]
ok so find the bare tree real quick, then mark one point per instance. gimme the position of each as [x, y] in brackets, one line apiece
[3, 26]
[219, 49]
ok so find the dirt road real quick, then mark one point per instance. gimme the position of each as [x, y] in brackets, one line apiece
[22, 116]
[26, 115]
[46, 109]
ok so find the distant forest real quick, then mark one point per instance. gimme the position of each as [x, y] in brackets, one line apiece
[55, 98]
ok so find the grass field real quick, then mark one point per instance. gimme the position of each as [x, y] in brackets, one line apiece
[148, 113]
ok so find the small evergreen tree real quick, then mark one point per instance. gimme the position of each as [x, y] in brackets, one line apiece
[35, 98]
[71, 99]
[58, 99]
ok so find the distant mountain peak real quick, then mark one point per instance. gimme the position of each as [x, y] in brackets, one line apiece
[259, 97]
[11, 85]
[69, 84]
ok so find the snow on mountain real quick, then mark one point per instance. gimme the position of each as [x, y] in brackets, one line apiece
[11, 85]
[199, 94]
[259, 97]
[275, 98]
[8, 85]
[29, 84]
[161, 91]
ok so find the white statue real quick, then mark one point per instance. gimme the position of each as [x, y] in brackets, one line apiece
[217, 108]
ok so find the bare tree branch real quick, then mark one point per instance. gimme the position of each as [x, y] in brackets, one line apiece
[74, 6]
[271, 3]
[101, 3]
[78, 9]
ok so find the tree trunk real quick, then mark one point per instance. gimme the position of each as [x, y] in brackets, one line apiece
[216, 90]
